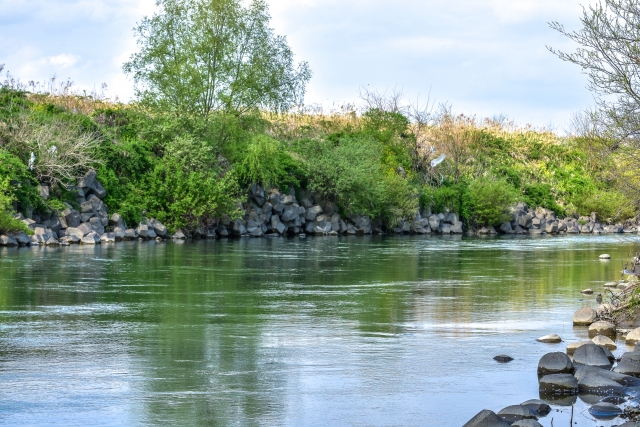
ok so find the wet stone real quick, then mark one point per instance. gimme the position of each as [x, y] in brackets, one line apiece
[602, 327]
[486, 418]
[555, 363]
[515, 413]
[538, 407]
[550, 339]
[584, 317]
[559, 384]
[526, 423]
[503, 358]
[605, 410]
[591, 355]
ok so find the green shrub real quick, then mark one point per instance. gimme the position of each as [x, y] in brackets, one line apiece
[454, 197]
[490, 200]
[540, 195]
[8, 223]
[611, 206]
[266, 162]
[24, 186]
[187, 188]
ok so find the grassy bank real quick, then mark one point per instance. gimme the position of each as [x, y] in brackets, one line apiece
[187, 170]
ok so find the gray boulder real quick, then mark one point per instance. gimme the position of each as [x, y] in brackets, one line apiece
[143, 231]
[88, 180]
[456, 228]
[605, 410]
[527, 422]
[130, 234]
[629, 364]
[515, 413]
[116, 220]
[159, 228]
[486, 418]
[313, 212]
[108, 238]
[584, 316]
[90, 239]
[72, 217]
[99, 190]
[434, 222]
[8, 241]
[506, 228]
[602, 327]
[591, 355]
[561, 384]
[538, 407]
[22, 238]
[555, 363]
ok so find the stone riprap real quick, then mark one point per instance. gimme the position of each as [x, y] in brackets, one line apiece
[274, 214]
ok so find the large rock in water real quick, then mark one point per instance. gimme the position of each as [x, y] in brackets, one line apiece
[559, 384]
[538, 407]
[572, 347]
[605, 342]
[602, 327]
[605, 410]
[159, 228]
[528, 422]
[629, 364]
[8, 241]
[633, 337]
[584, 317]
[624, 380]
[550, 339]
[515, 413]
[555, 363]
[486, 418]
[591, 355]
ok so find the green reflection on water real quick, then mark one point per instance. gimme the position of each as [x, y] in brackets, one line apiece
[238, 332]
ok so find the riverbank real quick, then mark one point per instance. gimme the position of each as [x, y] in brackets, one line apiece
[588, 369]
[274, 214]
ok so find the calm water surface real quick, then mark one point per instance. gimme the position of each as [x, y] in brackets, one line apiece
[378, 331]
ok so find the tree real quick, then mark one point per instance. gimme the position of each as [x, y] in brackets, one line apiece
[609, 54]
[200, 56]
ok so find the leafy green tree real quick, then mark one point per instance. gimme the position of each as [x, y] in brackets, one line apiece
[201, 56]
[490, 199]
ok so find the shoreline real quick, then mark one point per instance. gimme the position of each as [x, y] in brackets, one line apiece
[276, 214]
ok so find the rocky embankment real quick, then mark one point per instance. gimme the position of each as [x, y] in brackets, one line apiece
[588, 369]
[273, 214]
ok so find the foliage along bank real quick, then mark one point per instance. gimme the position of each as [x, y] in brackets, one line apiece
[190, 173]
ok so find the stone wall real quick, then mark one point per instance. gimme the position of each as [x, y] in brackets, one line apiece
[274, 214]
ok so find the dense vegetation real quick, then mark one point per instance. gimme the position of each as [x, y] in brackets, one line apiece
[187, 172]
[216, 111]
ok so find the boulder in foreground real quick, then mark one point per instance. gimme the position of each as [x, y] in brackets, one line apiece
[486, 418]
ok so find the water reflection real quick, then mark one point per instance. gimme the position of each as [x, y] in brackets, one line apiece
[298, 332]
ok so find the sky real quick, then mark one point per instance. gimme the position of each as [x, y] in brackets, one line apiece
[481, 57]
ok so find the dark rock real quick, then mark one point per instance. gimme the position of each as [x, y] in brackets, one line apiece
[116, 220]
[486, 418]
[555, 363]
[605, 410]
[538, 407]
[527, 422]
[560, 384]
[591, 355]
[159, 228]
[629, 364]
[8, 241]
[90, 239]
[616, 400]
[313, 212]
[594, 383]
[516, 412]
[503, 358]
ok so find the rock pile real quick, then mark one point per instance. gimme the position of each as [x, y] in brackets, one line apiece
[90, 225]
[544, 221]
[273, 214]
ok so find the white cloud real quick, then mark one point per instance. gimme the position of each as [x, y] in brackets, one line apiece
[483, 56]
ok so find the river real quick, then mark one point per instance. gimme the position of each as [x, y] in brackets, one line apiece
[360, 331]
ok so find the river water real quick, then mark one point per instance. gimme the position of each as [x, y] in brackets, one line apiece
[361, 331]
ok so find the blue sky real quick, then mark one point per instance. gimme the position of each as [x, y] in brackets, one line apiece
[484, 57]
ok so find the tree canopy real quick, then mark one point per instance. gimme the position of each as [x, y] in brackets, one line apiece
[200, 56]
